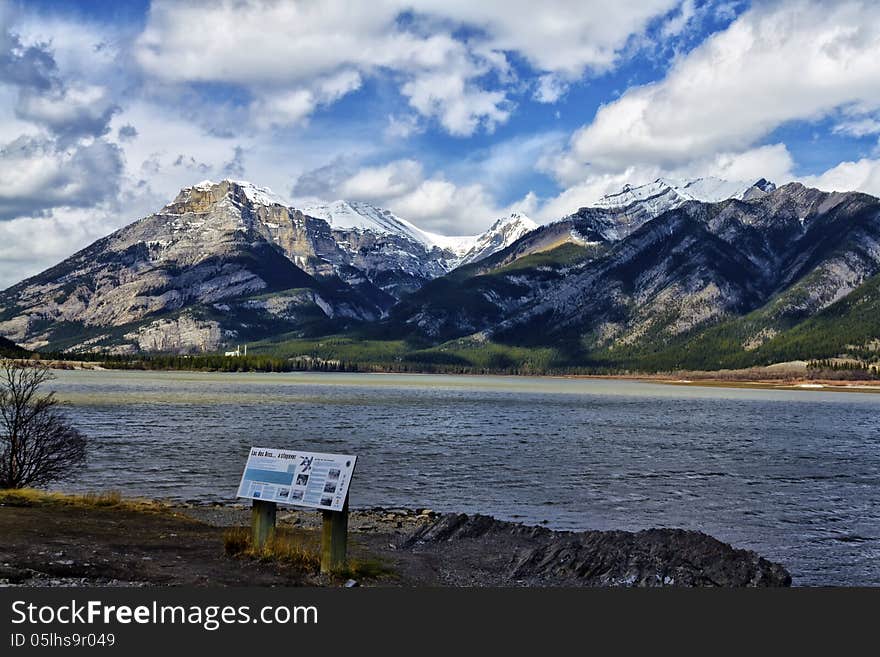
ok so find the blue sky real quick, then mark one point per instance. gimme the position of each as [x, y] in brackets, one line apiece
[450, 113]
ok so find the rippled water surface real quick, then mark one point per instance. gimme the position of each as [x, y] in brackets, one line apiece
[794, 475]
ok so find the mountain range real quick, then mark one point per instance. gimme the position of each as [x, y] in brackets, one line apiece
[702, 274]
[229, 261]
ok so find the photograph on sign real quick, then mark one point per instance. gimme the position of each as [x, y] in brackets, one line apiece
[309, 479]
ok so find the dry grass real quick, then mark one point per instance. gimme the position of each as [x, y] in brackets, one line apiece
[236, 541]
[300, 550]
[290, 547]
[108, 500]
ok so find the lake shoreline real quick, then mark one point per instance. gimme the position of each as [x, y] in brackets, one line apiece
[184, 545]
[721, 379]
[789, 475]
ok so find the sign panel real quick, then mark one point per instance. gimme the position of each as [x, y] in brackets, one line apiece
[310, 479]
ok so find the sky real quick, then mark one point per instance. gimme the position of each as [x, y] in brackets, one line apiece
[450, 113]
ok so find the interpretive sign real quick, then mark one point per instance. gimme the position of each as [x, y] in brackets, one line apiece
[309, 479]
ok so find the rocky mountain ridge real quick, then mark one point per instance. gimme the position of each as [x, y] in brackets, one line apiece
[648, 272]
[228, 261]
[608, 285]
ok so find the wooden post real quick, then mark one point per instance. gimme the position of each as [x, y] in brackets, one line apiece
[263, 522]
[334, 539]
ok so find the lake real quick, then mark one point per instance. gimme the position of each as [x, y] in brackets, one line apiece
[794, 475]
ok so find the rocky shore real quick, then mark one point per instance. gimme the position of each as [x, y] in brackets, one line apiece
[482, 551]
[54, 545]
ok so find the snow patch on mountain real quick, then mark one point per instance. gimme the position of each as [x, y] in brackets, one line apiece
[351, 215]
[500, 235]
[666, 194]
[457, 244]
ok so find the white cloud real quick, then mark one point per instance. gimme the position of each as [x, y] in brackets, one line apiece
[37, 175]
[383, 182]
[280, 49]
[296, 56]
[295, 105]
[858, 127]
[71, 112]
[67, 74]
[402, 126]
[862, 175]
[460, 107]
[434, 203]
[561, 36]
[776, 63]
[773, 162]
[550, 88]
[442, 206]
[677, 23]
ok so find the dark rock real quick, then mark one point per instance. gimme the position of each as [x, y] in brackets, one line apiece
[539, 556]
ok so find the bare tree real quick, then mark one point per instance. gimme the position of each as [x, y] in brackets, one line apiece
[37, 445]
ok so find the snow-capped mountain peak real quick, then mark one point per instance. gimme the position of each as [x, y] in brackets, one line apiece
[664, 194]
[253, 193]
[366, 219]
[352, 215]
[501, 234]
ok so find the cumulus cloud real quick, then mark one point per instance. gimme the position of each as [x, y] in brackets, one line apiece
[460, 82]
[862, 175]
[60, 160]
[776, 63]
[550, 88]
[69, 112]
[432, 202]
[45, 98]
[295, 105]
[383, 182]
[37, 175]
[567, 37]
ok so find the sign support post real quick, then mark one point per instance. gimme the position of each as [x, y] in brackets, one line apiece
[310, 480]
[334, 539]
[263, 523]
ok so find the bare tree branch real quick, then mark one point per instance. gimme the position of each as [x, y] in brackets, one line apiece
[37, 445]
